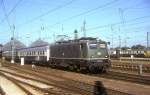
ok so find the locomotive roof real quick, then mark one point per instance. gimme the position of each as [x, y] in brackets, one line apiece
[87, 38]
[81, 40]
[17, 44]
[38, 42]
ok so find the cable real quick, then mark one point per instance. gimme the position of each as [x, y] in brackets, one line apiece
[15, 6]
[48, 12]
[88, 11]
[83, 13]
[117, 23]
[6, 16]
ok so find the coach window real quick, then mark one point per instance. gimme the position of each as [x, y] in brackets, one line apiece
[129, 52]
[142, 52]
[38, 52]
[33, 52]
[43, 52]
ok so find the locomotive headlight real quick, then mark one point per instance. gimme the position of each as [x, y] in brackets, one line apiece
[99, 53]
[92, 56]
[106, 56]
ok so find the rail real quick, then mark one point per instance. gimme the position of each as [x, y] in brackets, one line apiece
[136, 68]
[133, 59]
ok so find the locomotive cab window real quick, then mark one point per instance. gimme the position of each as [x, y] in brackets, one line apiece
[102, 45]
[93, 46]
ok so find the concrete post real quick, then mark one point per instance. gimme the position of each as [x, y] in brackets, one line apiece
[140, 69]
[22, 61]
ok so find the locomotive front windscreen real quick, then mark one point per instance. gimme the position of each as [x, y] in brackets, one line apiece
[97, 50]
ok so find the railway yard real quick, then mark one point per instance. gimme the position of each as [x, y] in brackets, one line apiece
[74, 47]
[122, 79]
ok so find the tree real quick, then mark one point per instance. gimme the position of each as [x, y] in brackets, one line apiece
[138, 47]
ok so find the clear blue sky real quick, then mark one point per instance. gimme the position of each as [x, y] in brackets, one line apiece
[105, 19]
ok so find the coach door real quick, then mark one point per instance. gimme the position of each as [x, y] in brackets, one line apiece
[83, 50]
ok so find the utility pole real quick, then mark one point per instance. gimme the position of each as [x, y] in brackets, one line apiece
[62, 29]
[112, 36]
[125, 41]
[84, 29]
[54, 37]
[147, 40]
[13, 47]
[121, 13]
[119, 42]
[42, 29]
[119, 39]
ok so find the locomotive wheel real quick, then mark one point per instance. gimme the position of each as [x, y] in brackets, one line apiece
[75, 67]
[71, 67]
[104, 70]
[93, 69]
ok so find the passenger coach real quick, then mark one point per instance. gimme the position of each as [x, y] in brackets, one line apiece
[38, 54]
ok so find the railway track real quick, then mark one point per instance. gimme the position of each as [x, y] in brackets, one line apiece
[68, 84]
[113, 74]
[14, 84]
[52, 90]
[31, 87]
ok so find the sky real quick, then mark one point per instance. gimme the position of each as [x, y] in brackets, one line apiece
[115, 21]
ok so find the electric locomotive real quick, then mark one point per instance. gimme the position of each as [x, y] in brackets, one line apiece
[84, 53]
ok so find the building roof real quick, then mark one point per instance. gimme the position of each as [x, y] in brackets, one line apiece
[39, 42]
[17, 44]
